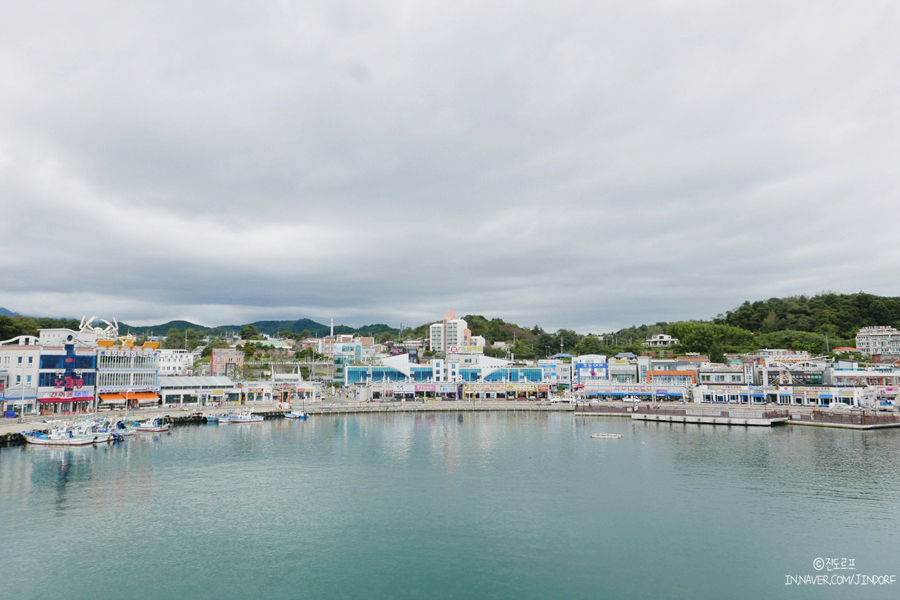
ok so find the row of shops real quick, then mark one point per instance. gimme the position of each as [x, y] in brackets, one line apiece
[172, 391]
[408, 392]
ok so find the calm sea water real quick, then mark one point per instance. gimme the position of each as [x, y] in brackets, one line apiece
[496, 505]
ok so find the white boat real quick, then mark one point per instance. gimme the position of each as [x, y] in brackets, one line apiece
[117, 429]
[69, 434]
[297, 414]
[244, 416]
[607, 436]
[154, 425]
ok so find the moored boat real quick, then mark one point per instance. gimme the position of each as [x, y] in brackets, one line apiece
[607, 436]
[69, 434]
[154, 425]
[296, 414]
[244, 416]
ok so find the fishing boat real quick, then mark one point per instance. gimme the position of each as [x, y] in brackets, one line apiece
[117, 428]
[245, 416]
[68, 434]
[298, 414]
[155, 425]
[607, 436]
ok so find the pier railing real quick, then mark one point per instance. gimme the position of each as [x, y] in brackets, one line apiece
[682, 411]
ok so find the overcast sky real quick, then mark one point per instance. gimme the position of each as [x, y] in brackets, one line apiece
[587, 165]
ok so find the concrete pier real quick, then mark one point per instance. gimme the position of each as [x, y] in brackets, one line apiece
[711, 420]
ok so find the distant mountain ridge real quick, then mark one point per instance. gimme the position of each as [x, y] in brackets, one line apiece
[6, 312]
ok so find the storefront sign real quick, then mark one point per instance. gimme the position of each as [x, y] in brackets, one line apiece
[127, 353]
[466, 349]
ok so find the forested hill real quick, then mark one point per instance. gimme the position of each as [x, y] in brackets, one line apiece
[840, 315]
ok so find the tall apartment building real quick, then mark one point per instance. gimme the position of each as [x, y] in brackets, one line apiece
[449, 335]
[878, 340]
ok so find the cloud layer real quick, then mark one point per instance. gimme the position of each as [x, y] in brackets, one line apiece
[588, 165]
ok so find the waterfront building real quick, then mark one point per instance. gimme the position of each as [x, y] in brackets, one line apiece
[878, 340]
[589, 368]
[175, 390]
[67, 378]
[672, 377]
[286, 388]
[731, 374]
[623, 370]
[19, 368]
[557, 372]
[790, 373]
[52, 373]
[882, 381]
[127, 375]
[399, 369]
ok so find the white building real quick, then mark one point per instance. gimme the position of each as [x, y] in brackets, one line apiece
[878, 340]
[556, 372]
[19, 367]
[449, 335]
[660, 340]
[176, 362]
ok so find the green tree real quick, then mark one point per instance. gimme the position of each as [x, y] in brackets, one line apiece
[250, 332]
[9, 328]
[207, 351]
[590, 344]
[174, 339]
[194, 338]
[566, 340]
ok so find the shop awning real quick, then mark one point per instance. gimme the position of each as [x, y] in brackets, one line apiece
[144, 397]
[112, 398]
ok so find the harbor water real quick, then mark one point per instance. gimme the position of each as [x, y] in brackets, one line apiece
[486, 505]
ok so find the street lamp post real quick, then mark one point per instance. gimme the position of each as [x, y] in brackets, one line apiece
[22, 386]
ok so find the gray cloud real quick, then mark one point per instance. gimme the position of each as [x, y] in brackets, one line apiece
[588, 165]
